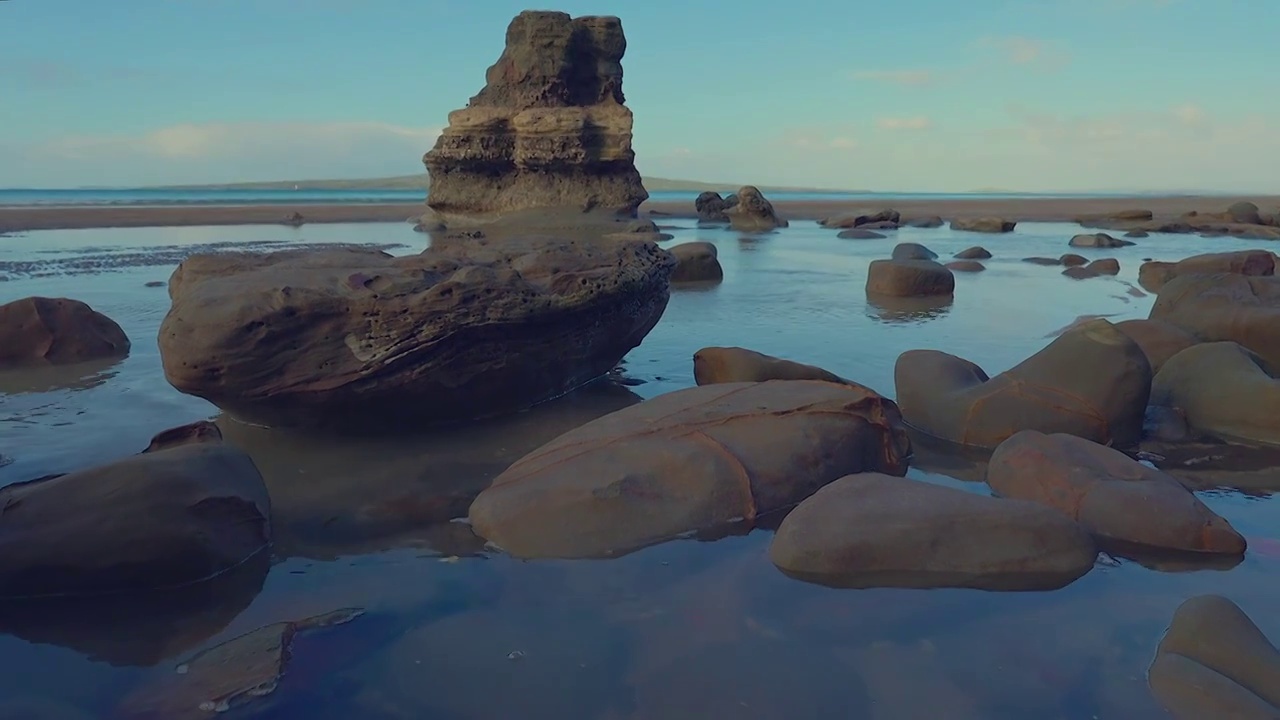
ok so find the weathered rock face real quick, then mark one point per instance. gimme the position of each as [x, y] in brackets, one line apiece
[753, 212]
[40, 330]
[694, 460]
[184, 510]
[1116, 498]
[1242, 309]
[713, 365]
[1224, 391]
[909, 278]
[1154, 275]
[1092, 382]
[696, 262]
[1159, 340]
[1214, 662]
[548, 132]
[1098, 240]
[467, 329]
[710, 207]
[984, 224]
[872, 530]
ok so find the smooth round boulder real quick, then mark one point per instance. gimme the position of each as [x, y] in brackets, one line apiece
[753, 213]
[1092, 382]
[1097, 268]
[912, 251]
[872, 530]
[969, 266]
[695, 460]
[1154, 275]
[56, 331]
[1098, 240]
[858, 219]
[696, 262]
[977, 252]
[1116, 498]
[859, 234]
[1242, 309]
[187, 508]
[1245, 212]
[1224, 391]
[1073, 260]
[929, 221]
[1159, 340]
[984, 225]
[909, 278]
[714, 365]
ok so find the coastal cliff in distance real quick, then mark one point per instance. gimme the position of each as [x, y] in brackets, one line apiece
[548, 132]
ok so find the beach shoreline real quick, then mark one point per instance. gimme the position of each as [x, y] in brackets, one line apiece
[1038, 209]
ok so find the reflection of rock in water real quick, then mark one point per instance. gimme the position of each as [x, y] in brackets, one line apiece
[138, 629]
[45, 378]
[1205, 466]
[335, 496]
[907, 309]
[936, 455]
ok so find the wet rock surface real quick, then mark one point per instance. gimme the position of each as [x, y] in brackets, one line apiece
[1098, 240]
[696, 262]
[713, 365]
[711, 207]
[1224, 391]
[57, 331]
[977, 252]
[1154, 275]
[909, 278]
[1232, 307]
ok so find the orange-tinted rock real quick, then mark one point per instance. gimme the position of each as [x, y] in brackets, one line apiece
[1240, 308]
[715, 365]
[693, 460]
[1113, 496]
[909, 278]
[1159, 340]
[1224, 391]
[39, 330]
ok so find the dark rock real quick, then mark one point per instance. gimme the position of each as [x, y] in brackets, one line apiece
[1098, 240]
[295, 220]
[1137, 234]
[1153, 275]
[965, 266]
[696, 262]
[710, 207]
[1073, 260]
[753, 212]
[1224, 391]
[976, 252]
[1158, 340]
[913, 251]
[156, 283]
[909, 278]
[1165, 424]
[1244, 309]
[548, 132]
[859, 234]
[1042, 261]
[1245, 213]
[1097, 268]
[57, 331]
[880, 225]
[983, 224]
[858, 219]
[715, 365]
[932, 221]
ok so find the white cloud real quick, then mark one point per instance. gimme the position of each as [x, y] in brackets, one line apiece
[1025, 51]
[903, 123]
[841, 142]
[897, 77]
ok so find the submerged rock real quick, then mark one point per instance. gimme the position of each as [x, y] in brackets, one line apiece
[931, 221]
[186, 509]
[1159, 340]
[872, 530]
[1224, 391]
[689, 461]
[1214, 662]
[1239, 308]
[58, 331]
[753, 212]
[714, 365]
[467, 329]
[549, 131]
[912, 251]
[696, 262]
[859, 234]
[984, 225]
[1092, 382]
[909, 278]
[1116, 498]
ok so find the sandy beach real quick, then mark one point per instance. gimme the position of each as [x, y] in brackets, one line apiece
[13, 219]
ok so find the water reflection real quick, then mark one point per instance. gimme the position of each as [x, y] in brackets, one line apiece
[47, 378]
[890, 309]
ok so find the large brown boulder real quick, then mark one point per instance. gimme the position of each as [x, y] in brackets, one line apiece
[909, 278]
[696, 262]
[753, 212]
[1114, 497]
[1158, 339]
[467, 329]
[548, 132]
[694, 460]
[984, 225]
[57, 331]
[1224, 391]
[186, 509]
[1240, 308]
[1214, 662]
[1092, 381]
[1154, 274]
[873, 530]
[712, 365]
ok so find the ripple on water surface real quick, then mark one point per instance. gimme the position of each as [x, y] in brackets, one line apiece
[690, 628]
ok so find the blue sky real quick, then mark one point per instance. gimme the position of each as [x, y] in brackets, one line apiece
[910, 95]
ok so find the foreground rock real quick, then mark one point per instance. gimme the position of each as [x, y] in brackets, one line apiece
[184, 510]
[753, 213]
[1114, 497]
[872, 530]
[1154, 275]
[713, 365]
[467, 329]
[694, 460]
[1092, 382]
[57, 331]
[909, 278]
[984, 225]
[711, 207]
[1242, 309]
[696, 262]
[1214, 662]
[1224, 391]
[1098, 240]
[1159, 340]
[548, 132]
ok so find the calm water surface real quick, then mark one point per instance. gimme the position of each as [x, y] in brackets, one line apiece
[688, 629]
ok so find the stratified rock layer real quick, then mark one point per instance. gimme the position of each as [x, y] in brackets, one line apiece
[549, 131]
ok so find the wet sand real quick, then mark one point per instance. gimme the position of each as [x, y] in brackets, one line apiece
[13, 219]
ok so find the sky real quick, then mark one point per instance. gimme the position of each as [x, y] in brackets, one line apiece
[908, 95]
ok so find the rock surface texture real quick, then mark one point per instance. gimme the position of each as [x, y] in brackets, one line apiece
[1224, 391]
[56, 331]
[467, 329]
[689, 461]
[753, 212]
[1240, 308]
[549, 131]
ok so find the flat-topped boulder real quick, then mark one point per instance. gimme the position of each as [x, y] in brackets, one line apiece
[549, 131]
[696, 262]
[909, 278]
[1244, 309]
[753, 212]
[1224, 391]
[56, 331]
[468, 329]
[1096, 268]
[984, 225]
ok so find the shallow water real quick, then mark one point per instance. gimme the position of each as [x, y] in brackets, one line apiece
[687, 629]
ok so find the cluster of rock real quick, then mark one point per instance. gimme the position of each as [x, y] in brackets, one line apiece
[747, 210]
[1242, 219]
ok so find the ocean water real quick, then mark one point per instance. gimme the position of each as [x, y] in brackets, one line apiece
[686, 629]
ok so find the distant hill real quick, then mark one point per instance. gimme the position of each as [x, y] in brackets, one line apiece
[420, 182]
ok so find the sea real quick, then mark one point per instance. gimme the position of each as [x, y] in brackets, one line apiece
[444, 626]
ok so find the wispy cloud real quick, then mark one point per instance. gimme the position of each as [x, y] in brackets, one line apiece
[918, 122]
[910, 78]
[1025, 51]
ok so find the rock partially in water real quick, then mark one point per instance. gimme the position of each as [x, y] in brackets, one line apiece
[1116, 498]
[859, 234]
[1073, 260]
[1137, 234]
[716, 365]
[931, 221]
[1092, 382]
[1158, 339]
[1214, 662]
[1239, 308]
[1154, 275]
[909, 278]
[685, 462]
[711, 207]
[1097, 268]
[549, 131]
[977, 252]
[470, 328]
[1098, 240]
[965, 266]
[58, 331]
[912, 251]
[182, 511]
[1224, 391]
[858, 219]
[753, 212]
[873, 530]
[983, 225]
[696, 262]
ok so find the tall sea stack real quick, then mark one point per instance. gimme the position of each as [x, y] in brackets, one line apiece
[549, 134]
